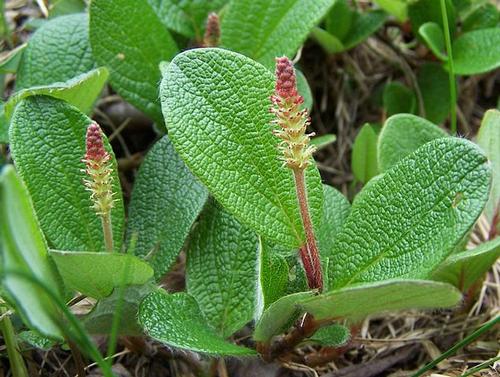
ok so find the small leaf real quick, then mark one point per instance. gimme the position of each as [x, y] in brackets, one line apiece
[364, 153]
[221, 270]
[477, 52]
[413, 216]
[398, 8]
[36, 340]
[331, 336]
[129, 38]
[273, 277]
[97, 274]
[81, 91]
[402, 135]
[485, 16]
[100, 319]
[279, 316]
[63, 7]
[24, 250]
[56, 52]
[165, 202]
[488, 138]
[47, 140]
[339, 19]
[398, 98]
[260, 29]
[217, 105]
[10, 62]
[433, 36]
[330, 43]
[433, 82]
[323, 141]
[422, 11]
[304, 90]
[185, 17]
[465, 268]
[363, 25]
[356, 302]
[176, 320]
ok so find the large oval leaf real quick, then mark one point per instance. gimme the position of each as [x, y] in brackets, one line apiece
[176, 320]
[165, 202]
[221, 270]
[56, 52]
[408, 220]
[47, 139]
[355, 303]
[261, 29]
[129, 38]
[216, 103]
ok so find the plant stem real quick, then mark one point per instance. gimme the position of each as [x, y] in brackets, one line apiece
[308, 252]
[451, 69]
[107, 230]
[17, 365]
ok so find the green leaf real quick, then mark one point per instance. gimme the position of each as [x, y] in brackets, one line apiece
[422, 11]
[304, 90]
[97, 274]
[131, 41]
[176, 320]
[483, 17]
[36, 340]
[335, 212]
[356, 302]
[363, 25]
[330, 43]
[331, 336]
[100, 319]
[24, 250]
[217, 105]
[488, 138]
[47, 140]
[165, 202]
[433, 82]
[279, 316]
[433, 36]
[323, 141]
[463, 269]
[56, 52]
[63, 7]
[398, 98]
[403, 134]
[477, 52]
[81, 91]
[364, 153]
[185, 17]
[398, 8]
[10, 61]
[272, 276]
[221, 270]
[260, 29]
[412, 217]
[339, 19]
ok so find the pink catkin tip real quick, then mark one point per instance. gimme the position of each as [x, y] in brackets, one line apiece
[95, 147]
[212, 31]
[286, 84]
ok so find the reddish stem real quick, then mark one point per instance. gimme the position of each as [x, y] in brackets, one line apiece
[308, 252]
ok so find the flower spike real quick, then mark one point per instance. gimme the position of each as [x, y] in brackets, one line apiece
[292, 122]
[212, 31]
[100, 179]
